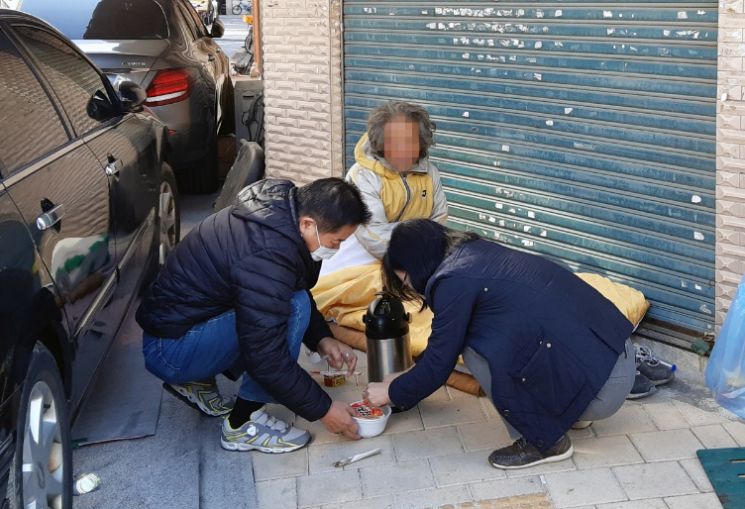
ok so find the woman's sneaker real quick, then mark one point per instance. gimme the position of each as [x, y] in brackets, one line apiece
[658, 372]
[642, 387]
[522, 454]
[263, 433]
[204, 396]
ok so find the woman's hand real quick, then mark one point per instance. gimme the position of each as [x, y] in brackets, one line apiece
[377, 393]
[338, 354]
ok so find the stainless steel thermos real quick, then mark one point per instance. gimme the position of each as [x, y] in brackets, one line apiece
[387, 331]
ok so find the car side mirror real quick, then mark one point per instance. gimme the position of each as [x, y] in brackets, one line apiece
[218, 29]
[132, 95]
[100, 108]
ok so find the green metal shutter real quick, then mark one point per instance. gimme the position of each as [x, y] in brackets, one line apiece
[583, 131]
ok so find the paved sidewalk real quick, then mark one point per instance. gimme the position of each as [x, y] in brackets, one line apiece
[436, 454]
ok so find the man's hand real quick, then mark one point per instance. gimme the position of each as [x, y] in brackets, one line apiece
[377, 393]
[338, 354]
[339, 420]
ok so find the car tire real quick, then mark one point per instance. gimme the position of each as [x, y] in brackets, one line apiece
[31, 477]
[169, 214]
[237, 9]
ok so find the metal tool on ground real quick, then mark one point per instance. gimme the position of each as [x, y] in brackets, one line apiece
[357, 457]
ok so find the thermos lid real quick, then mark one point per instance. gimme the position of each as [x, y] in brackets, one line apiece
[386, 318]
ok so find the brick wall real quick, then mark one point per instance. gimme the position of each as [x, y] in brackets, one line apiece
[730, 197]
[301, 42]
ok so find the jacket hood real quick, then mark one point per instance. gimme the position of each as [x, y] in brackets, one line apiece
[271, 203]
[364, 156]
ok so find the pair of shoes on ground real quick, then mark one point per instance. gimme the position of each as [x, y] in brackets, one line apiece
[261, 432]
[650, 373]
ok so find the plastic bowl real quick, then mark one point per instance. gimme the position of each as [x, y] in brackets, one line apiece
[372, 427]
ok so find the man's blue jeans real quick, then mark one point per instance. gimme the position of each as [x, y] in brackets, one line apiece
[210, 348]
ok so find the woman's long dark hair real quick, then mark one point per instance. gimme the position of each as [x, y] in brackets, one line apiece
[418, 247]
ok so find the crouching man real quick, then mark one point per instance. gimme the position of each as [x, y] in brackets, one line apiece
[235, 291]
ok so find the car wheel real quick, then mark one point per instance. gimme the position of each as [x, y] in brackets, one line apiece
[41, 471]
[236, 9]
[169, 214]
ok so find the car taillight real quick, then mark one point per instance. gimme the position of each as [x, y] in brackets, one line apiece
[169, 86]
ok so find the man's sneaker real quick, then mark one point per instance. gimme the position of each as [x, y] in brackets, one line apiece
[263, 433]
[521, 454]
[658, 372]
[204, 396]
[642, 387]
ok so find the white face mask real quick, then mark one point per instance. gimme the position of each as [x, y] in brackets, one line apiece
[323, 252]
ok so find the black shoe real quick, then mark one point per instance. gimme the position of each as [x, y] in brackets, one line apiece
[658, 372]
[642, 387]
[521, 454]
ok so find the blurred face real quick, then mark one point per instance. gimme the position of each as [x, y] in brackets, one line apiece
[401, 144]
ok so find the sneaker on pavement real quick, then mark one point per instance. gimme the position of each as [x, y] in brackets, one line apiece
[642, 387]
[650, 366]
[204, 396]
[263, 433]
[522, 454]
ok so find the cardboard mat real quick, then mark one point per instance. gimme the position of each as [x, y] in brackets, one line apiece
[533, 501]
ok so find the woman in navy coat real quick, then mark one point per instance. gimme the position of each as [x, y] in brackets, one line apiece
[546, 347]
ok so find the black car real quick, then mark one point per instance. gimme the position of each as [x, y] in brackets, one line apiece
[164, 47]
[87, 209]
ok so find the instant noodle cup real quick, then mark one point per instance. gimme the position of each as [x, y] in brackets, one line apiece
[371, 420]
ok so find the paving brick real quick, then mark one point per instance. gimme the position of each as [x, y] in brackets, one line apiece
[737, 431]
[384, 502]
[629, 419]
[696, 472]
[402, 422]
[276, 466]
[395, 478]
[654, 480]
[322, 457]
[463, 468]
[484, 436]
[489, 410]
[665, 415]
[649, 503]
[436, 414]
[319, 432]
[279, 494]
[700, 501]
[570, 489]
[559, 466]
[423, 444]
[666, 445]
[714, 436]
[506, 488]
[446, 497]
[605, 452]
[317, 489]
[699, 417]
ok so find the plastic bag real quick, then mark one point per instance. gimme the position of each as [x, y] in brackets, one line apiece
[725, 373]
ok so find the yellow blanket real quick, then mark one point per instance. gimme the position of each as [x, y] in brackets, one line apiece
[343, 296]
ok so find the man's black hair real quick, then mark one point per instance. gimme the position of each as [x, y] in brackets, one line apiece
[333, 204]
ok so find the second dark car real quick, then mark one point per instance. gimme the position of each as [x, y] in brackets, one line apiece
[163, 46]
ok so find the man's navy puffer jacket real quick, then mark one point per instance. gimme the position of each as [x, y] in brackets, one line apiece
[249, 257]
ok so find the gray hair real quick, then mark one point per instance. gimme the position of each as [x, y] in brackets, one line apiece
[384, 113]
